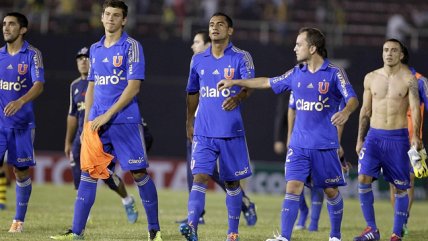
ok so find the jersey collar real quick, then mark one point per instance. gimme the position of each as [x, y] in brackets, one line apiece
[207, 52]
[324, 66]
[22, 50]
[119, 42]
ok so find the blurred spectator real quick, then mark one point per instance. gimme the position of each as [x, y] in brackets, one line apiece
[399, 28]
[209, 7]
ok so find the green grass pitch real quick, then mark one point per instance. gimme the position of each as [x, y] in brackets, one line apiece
[51, 210]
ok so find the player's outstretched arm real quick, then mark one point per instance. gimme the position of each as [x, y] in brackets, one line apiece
[256, 83]
[14, 106]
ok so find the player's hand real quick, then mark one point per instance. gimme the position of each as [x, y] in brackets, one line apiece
[279, 147]
[346, 166]
[100, 121]
[224, 84]
[417, 159]
[340, 151]
[340, 118]
[230, 103]
[13, 107]
[67, 150]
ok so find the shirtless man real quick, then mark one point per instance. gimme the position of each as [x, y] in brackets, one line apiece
[388, 92]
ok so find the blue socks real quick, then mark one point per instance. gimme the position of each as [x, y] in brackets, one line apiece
[400, 212]
[233, 204]
[366, 202]
[317, 198]
[335, 211]
[84, 201]
[290, 208]
[149, 197]
[196, 204]
[23, 192]
[304, 210]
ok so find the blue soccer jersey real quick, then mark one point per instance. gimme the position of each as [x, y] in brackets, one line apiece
[77, 102]
[110, 69]
[316, 97]
[205, 72]
[18, 74]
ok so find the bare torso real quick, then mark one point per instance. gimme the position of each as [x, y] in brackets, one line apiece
[390, 98]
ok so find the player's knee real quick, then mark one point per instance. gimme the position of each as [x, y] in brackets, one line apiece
[294, 187]
[331, 192]
[231, 184]
[138, 174]
[21, 172]
[400, 191]
[113, 182]
[364, 179]
[201, 178]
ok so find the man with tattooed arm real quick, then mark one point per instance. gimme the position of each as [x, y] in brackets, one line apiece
[388, 92]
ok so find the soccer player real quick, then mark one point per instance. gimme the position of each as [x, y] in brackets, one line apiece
[217, 130]
[317, 194]
[115, 74]
[76, 114]
[423, 96]
[318, 87]
[21, 81]
[388, 92]
[201, 42]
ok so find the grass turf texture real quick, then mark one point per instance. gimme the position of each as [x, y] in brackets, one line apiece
[51, 210]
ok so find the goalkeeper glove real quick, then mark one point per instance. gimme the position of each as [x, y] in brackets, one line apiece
[417, 159]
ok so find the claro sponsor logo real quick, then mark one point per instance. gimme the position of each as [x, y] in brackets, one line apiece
[136, 161]
[206, 91]
[400, 182]
[105, 80]
[13, 86]
[333, 180]
[243, 172]
[305, 105]
[24, 159]
[110, 79]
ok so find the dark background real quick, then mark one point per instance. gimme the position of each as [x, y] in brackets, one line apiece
[162, 95]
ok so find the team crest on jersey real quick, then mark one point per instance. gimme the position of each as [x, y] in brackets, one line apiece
[229, 73]
[22, 69]
[117, 60]
[323, 87]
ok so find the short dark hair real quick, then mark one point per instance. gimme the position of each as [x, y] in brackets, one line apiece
[228, 19]
[116, 4]
[315, 37]
[22, 20]
[394, 40]
[205, 36]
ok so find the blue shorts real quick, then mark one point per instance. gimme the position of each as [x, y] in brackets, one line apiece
[386, 150]
[315, 167]
[234, 162]
[19, 145]
[126, 143]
